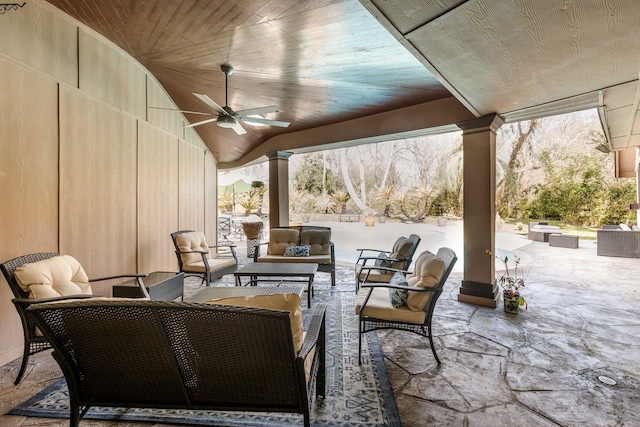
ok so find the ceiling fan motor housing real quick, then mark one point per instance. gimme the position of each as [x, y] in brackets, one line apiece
[226, 121]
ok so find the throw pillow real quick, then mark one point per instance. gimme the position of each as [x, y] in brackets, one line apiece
[296, 251]
[382, 261]
[426, 274]
[398, 297]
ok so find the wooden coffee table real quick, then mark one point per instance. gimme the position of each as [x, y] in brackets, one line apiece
[216, 292]
[278, 272]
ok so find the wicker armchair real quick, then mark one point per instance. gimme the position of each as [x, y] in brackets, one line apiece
[376, 311]
[34, 341]
[399, 257]
[195, 259]
[181, 355]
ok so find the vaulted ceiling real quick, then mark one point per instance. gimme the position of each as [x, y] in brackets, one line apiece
[331, 62]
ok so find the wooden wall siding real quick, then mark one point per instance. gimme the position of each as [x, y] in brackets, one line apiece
[210, 198]
[111, 75]
[69, 161]
[171, 121]
[157, 199]
[98, 188]
[191, 187]
[28, 180]
[39, 38]
[192, 136]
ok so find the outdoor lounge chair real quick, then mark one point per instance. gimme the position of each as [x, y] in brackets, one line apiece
[194, 256]
[422, 288]
[44, 277]
[399, 257]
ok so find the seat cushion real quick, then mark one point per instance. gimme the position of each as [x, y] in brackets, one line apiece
[376, 277]
[215, 264]
[379, 306]
[280, 238]
[319, 241]
[58, 276]
[192, 241]
[284, 302]
[426, 274]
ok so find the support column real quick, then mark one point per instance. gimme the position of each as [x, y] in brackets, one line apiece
[278, 188]
[479, 163]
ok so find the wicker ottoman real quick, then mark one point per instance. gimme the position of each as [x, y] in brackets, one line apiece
[564, 241]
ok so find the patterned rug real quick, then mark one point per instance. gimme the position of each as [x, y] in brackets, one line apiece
[356, 396]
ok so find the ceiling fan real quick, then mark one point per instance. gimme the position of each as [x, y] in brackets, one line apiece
[227, 118]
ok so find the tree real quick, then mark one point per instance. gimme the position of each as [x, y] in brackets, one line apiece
[314, 177]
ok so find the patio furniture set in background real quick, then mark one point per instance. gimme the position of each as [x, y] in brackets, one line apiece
[612, 240]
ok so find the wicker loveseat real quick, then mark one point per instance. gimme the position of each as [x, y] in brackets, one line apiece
[318, 239]
[185, 355]
[612, 240]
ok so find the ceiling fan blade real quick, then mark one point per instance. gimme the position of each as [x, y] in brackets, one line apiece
[239, 129]
[181, 111]
[265, 121]
[259, 110]
[201, 123]
[211, 103]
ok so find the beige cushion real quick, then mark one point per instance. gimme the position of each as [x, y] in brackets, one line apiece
[215, 264]
[58, 276]
[379, 306]
[280, 238]
[319, 241]
[315, 259]
[427, 272]
[191, 242]
[401, 250]
[284, 302]
[376, 276]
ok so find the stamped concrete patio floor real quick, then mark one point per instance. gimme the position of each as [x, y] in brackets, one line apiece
[571, 359]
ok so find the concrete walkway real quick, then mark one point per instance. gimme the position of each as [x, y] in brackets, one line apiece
[571, 359]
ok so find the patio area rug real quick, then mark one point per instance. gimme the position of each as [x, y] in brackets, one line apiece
[356, 396]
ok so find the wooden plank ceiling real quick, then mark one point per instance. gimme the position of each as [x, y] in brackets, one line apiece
[328, 61]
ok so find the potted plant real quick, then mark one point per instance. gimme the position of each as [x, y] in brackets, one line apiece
[511, 285]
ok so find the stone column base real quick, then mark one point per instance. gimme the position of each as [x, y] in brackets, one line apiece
[484, 294]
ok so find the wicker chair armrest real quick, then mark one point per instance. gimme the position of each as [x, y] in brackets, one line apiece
[384, 257]
[366, 268]
[26, 302]
[405, 287]
[231, 247]
[223, 246]
[372, 250]
[190, 252]
[314, 326]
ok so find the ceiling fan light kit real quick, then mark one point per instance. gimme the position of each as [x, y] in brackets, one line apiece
[229, 119]
[226, 122]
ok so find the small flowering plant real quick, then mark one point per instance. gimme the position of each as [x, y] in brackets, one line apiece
[511, 284]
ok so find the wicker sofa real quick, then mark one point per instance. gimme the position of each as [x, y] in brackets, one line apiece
[614, 241]
[185, 355]
[318, 239]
